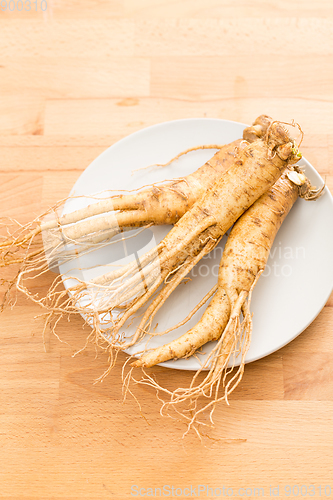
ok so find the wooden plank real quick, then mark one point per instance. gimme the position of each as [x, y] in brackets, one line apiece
[21, 113]
[47, 158]
[210, 9]
[222, 36]
[21, 195]
[56, 39]
[166, 37]
[144, 9]
[309, 379]
[80, 77]
[242, 76]
[108, 114]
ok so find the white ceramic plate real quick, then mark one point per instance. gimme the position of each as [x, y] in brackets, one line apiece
[299, 274]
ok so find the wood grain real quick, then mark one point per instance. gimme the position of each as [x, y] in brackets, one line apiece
[79, 78]
[74, 80]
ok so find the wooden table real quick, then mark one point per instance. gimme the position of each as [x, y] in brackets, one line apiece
[73, 80]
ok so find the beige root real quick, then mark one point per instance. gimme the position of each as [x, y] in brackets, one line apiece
[163, 203]
[203, 225]
[118, 295]
[244, 259]
[52, 240]
[109, 301]
[234, 342]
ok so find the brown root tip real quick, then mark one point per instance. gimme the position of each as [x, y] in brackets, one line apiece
[309, 192]
[305, 188]
[264, 121]
[257, 129]
[281, 143]
[137, 364]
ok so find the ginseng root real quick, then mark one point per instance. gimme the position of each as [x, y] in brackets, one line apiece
[244, 259]
[110, 300]
[162, 203]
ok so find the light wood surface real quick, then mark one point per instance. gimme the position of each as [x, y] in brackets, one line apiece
[73, 80]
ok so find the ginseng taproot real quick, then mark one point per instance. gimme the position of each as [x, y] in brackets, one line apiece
[108, 301]
[203, 207]
[163, 203]
[244, 259]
